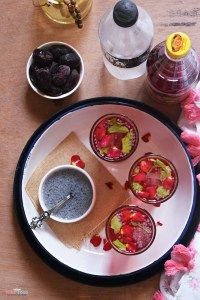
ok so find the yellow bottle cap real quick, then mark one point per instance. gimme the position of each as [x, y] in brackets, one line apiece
[178, 45]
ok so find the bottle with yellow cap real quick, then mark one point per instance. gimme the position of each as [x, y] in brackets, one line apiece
[172, 69]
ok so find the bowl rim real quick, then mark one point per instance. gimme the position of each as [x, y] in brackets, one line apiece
[29, 62]
[137, 208]
[66, 167]
[153, 201]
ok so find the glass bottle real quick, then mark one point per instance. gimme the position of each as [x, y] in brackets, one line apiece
[126, 33]
[172, 69]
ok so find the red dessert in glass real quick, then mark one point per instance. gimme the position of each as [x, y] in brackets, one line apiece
[114, 137]
[130, 230]
[153, 179]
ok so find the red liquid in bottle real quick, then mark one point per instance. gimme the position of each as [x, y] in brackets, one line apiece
[172, 73]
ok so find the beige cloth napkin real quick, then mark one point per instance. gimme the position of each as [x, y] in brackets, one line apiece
[106, 199]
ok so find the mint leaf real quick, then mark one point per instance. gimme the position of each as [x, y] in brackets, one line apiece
[163, 175]
[116, 224]
[119, 245]
[165, 168]
[103, 151]
[118, 128]
[162, 192]
[136, 186]
[127, 143]
[136, 170]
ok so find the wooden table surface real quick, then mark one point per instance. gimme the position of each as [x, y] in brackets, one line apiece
[23, 28]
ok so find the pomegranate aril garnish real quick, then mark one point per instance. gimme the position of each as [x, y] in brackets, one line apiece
[146, 165]
[77, 161]
[138, 217]
[105, 141]
[80, 163]
[126, 239]
[131, 247]
[152, 191]
[127, 230]
[146, 137]
[104, 241]
[159, 223]
[75, 158]
[117, 140]
[114, 152]
[109, 185]
[168, 182]
[96, 240]
[140, 177]
[107, 246]
[143, 194]
[125, 215]
[99, 133]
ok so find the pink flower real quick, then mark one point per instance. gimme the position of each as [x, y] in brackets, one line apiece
[190, 137]
[190, 110]
[172, 267]
[182, 259]
[193, 144]
[158, 296]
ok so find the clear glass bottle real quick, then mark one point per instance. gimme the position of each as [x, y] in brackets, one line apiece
[172, 69]
[126, 34]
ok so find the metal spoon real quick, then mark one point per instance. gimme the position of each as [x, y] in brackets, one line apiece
[36, 222]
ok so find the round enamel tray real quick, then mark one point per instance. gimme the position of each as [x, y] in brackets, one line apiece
[179, 215]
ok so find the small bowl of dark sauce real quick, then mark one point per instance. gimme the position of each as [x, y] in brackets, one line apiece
[61, 181]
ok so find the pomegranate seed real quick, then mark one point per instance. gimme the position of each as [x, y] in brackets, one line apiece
[138, 217]
[107, 246]
[143, 194]
[80, 163]
[75, 158]
[131, 247]
[146, 137]
[168, 183]
[139, 177]
[96, 240]
[152, 191]
[159, 223]
[100, 132]
[125, 215]
[146, 165]
[114, 152]
[105, 141]
[127, 230]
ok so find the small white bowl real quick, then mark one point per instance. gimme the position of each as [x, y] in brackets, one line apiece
[30, 60]
[47, 179]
